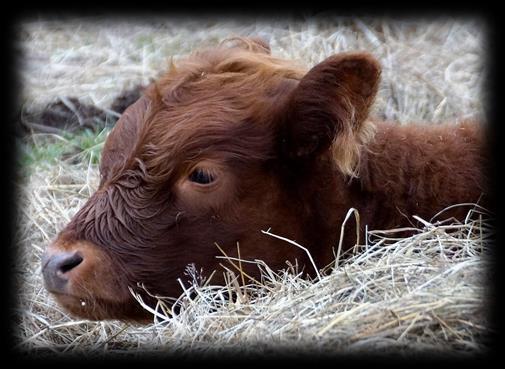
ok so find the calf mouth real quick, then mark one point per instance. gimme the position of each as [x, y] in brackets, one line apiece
[84, 282]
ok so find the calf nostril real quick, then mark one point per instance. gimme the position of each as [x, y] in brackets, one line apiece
[67, 263]
[56, 267]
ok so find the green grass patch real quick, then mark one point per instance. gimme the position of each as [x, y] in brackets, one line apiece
[40, 149]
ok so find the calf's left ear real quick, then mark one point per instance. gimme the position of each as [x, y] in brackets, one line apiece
[329, 107]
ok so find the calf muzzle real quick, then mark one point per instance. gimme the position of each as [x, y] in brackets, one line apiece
[56, 268]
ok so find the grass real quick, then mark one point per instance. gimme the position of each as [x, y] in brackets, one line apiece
[50, 149]
[394, 294]
[433, 70]
[404, 294]
[416, 294]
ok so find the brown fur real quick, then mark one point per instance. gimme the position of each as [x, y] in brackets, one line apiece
[290, 150]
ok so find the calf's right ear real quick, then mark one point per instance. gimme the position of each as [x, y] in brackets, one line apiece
[329, 107]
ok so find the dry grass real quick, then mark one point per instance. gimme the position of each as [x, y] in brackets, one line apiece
[413, 293]
[398, 294]
[432, 70]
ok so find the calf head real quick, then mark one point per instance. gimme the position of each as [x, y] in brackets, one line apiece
[229, 142]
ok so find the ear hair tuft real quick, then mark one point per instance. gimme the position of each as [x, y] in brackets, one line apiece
[347, 146]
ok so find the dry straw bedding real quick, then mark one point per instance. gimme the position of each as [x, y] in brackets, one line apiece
[392, 293]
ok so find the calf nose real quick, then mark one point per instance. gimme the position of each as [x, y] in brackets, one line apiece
[56, 268]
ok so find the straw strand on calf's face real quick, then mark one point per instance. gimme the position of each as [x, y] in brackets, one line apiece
[233, 141]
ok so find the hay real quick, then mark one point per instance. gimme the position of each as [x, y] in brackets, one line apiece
[420, 292]
[416, 293]
[432, 70]
[394, 294]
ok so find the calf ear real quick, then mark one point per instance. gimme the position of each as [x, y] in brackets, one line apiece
[329, 107]
[121, 140]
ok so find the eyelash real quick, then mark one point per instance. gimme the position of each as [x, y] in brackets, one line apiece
[201, 176]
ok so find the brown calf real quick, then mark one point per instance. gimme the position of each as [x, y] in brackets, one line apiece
[233, 141]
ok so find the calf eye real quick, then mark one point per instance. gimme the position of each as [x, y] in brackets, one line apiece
[201, 176]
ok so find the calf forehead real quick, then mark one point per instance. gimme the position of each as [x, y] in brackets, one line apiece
[202, 105]
[208, 127]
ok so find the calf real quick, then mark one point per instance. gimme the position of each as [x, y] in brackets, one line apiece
[233, 141]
